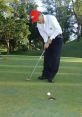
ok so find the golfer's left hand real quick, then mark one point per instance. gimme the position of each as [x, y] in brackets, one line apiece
[49, 41]
[46, 45]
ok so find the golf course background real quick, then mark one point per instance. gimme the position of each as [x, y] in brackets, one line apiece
[21, 98]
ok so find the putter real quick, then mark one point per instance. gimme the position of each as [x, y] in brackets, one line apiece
[29, 78]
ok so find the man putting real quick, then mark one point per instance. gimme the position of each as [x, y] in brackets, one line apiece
[51, 32]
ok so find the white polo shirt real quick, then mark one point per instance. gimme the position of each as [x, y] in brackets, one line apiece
[51, 28]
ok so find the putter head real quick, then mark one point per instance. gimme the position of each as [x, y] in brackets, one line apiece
[27, 79]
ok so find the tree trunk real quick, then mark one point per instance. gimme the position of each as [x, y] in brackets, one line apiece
[7, 42]
[81, 30]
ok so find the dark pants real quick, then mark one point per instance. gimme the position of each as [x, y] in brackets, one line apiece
[52, 58]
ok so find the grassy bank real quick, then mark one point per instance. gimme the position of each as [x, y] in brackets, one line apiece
[72, 49]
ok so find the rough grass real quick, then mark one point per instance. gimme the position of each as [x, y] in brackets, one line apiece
[20, 98]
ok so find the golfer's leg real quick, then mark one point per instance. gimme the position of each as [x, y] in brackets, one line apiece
[55, 57]
[46, 65]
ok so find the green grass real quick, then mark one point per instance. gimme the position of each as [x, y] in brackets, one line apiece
[72, 49]
[20, 98]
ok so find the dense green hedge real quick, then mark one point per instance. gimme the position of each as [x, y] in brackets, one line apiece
[72, 49]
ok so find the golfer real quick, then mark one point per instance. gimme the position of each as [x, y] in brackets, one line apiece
[51, 32]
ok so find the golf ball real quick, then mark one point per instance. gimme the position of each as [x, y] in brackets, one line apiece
[48, 93]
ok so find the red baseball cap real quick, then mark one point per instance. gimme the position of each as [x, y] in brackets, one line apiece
[34, 15]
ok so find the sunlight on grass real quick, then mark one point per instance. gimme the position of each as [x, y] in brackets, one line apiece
[71, 59]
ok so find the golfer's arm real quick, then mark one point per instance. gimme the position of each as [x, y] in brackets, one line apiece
[44, 35]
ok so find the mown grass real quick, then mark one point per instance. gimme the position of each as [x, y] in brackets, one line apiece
[20, 98]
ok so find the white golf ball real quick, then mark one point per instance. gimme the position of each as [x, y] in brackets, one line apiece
[48, 93]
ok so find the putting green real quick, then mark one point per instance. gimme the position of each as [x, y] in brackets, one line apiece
[20, 98]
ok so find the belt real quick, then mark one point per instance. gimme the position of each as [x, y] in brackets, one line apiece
[59, 36]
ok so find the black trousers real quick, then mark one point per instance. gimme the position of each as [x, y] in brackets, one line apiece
[52, 58]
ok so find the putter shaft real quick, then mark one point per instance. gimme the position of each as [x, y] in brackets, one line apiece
[36, 64]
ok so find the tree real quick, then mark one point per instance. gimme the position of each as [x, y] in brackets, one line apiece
[14, 28]
[77, 10]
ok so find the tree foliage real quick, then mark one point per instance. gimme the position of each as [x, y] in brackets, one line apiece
[78, 10]
[13, 24]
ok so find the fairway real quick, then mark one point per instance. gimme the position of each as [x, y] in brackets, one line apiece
[21, 98]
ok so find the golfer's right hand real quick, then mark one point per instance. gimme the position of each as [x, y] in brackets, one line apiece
[46, 45]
